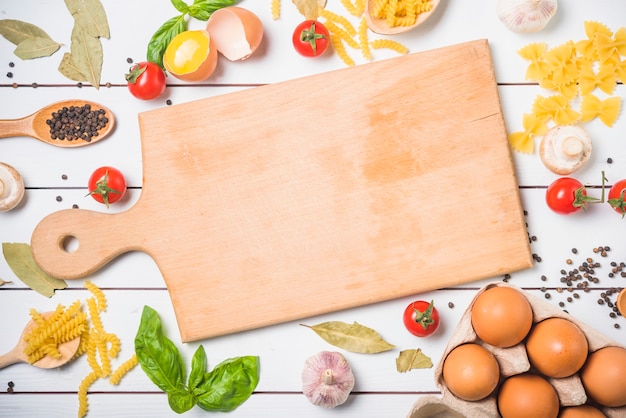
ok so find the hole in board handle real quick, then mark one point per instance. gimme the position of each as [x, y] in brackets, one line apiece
[69, 244]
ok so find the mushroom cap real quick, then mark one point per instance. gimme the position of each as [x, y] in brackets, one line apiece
[564, 149]
[11, 187]
[327, 379]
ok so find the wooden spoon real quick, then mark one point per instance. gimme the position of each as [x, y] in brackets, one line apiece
[67, 350]
[35, 125]
[381, 27]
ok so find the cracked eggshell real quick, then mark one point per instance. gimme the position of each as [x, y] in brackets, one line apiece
[236, 32]
[565, 149]
[526, 15]
[11, 187]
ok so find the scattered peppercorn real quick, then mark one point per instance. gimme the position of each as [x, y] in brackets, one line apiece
[10, 74]
[34, 85]
[77, 122]
[168, 102]
[129, 60]
[59, 199]
[609, 160]
[11, 64]
[450, 305]
[64, 176]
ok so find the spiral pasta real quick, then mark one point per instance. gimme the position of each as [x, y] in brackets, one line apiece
[275, 9]
[389, 44]
[123, 369]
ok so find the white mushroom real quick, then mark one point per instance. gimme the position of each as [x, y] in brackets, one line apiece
[327, 379]
[564, 149]
[11, 187]
[526, 15]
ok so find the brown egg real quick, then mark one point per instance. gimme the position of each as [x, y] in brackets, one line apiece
[471, 372]
[527, 395]
[501, 316]
[557, 347]
[604, 376]
[581, 411]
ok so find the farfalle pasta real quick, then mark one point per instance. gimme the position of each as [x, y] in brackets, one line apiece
[575, 71]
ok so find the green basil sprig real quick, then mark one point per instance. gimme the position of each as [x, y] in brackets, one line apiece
[200, 9]
[223, 389]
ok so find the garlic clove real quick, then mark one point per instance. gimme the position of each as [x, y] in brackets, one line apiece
[11, 187]
[564, 149]
[526, 15]
[327, 379]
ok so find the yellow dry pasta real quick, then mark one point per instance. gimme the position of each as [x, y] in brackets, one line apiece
[364, 41]
[355, 8]
[575, 70]
[83, 402]
[338, 19]
[341, 51]
[400, 12]
[123, 369]
[336, 31]
[275, 9]
[389, 44]
[48, 333]
[97, 292]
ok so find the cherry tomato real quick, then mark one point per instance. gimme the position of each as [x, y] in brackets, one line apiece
[107, 185]
[567, 195]
[146, 80]
[311, 38]
[616, 197]
[421, 318]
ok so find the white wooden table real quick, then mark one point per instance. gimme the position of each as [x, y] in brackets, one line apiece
[56, 179]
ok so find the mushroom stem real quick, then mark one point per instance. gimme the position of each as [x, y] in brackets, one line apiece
[572, 146]
[328, 377]
[2, 187]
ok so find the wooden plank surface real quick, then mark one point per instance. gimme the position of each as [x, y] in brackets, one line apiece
[316, 186]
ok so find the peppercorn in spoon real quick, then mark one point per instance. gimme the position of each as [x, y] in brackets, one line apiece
[67, 350]
[68, 123]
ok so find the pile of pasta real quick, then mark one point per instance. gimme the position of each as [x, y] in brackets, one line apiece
[400, 12]
[576, 72]
[98, 346]
[344, 33]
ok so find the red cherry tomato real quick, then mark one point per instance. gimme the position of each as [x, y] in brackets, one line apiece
[107, 185]
[421, 318]
[616, 197]
[566, 195]
[146, 80]
[311, 38]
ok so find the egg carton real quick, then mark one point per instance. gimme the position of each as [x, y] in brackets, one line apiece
[512, 361]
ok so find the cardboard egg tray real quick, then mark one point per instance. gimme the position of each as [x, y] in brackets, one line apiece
[512, 361]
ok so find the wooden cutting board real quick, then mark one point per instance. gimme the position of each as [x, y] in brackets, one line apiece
[316, 194]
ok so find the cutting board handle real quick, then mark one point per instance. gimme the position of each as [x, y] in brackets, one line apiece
[74, 243]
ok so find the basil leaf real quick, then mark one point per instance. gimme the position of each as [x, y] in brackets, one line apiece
[180, 400]
[163, 36]
[157, 355]
[230, 384]
[203, 9]
[180, 5]
[198, 368]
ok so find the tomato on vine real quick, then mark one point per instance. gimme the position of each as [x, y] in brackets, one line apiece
[616, 197]
[311, 38]
[421, 318]
[107, 185]
[567, 195]
[146, 80]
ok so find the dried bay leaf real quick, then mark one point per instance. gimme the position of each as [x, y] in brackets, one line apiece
[69, 69]
[90, 15]
[412, 359]
[20, 259]
[309, 8]
[354, 337]
[87, 55]
[17, 31]
[3, 282]
[36, 48]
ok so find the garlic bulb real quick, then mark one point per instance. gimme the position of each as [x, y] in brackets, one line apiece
[327, 379]
[564, 149]
[11, 187]
[526, 15]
